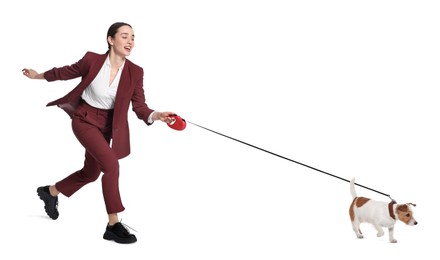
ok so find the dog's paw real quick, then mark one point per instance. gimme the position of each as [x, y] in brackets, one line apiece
[379, 234]
[360, 236]
[393, 240]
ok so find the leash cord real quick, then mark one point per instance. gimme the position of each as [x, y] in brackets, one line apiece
[288, 159]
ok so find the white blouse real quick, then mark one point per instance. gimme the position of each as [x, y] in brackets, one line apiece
[100, 93]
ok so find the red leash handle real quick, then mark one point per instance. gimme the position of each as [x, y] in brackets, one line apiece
[178, 123]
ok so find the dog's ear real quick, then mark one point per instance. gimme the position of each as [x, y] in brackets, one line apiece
[412, 204]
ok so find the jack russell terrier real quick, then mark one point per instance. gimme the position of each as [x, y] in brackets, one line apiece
[379, 214]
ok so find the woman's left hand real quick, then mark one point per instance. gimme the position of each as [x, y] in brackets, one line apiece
[166, 117]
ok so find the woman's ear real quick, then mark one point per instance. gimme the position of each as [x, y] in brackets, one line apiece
[110, 40]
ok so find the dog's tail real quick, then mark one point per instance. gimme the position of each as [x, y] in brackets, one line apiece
[352, 190]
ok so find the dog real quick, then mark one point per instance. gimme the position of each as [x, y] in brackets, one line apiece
[378, 213]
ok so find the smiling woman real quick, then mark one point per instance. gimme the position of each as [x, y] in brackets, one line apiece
[98, 107]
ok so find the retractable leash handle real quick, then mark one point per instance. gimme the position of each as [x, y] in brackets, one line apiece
[178, 123]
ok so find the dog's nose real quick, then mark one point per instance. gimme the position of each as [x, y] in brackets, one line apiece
[415, 222]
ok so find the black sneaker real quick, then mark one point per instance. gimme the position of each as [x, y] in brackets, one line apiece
[50, 202]
[119, 233]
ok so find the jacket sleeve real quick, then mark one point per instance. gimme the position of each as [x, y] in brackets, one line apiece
[139, 105]
[66, 72]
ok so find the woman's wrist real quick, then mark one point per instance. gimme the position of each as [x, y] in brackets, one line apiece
[156, 115]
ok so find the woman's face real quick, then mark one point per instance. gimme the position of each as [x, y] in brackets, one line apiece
[123, 41]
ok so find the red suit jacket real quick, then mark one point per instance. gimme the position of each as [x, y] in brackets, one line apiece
[130, 89]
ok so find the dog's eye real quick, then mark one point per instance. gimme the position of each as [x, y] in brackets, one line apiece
[408, 215]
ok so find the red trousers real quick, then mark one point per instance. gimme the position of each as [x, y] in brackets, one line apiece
[93, 129]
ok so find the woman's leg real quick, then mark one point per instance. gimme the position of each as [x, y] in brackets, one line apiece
[99, 157]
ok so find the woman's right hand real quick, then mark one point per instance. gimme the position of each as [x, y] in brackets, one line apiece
[32, 74]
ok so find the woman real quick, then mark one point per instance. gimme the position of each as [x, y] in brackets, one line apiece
[98, 106]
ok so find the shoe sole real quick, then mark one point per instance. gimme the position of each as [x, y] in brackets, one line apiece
[112, 237]
[43, 196]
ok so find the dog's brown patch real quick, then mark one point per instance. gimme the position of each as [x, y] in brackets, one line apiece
[351, 210]
[361, 201]
[358, 202]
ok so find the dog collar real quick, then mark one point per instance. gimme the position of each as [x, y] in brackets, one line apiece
[390, 209]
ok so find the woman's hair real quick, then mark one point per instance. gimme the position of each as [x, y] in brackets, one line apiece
[114, 29]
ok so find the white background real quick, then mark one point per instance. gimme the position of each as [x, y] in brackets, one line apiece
[348, 87]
